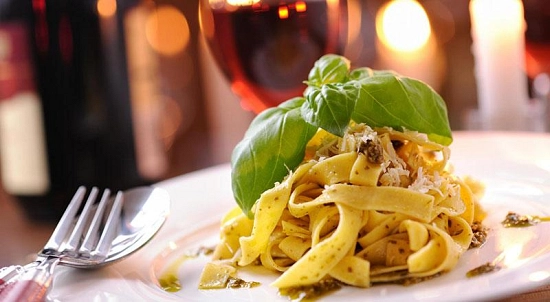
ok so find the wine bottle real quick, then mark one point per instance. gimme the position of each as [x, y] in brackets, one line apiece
[70, 111]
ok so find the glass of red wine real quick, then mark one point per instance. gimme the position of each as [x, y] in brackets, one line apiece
[267, 47]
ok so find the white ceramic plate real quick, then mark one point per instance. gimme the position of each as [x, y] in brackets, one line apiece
[515, 168]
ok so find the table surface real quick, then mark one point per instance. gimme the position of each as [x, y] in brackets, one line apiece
[21, 238]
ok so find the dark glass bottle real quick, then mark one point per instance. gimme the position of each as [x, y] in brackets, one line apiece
[82, 79]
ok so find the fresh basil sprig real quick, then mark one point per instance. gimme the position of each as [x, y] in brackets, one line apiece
[276, 140]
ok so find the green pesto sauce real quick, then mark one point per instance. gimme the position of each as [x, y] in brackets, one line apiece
[482, 269]
[169, 280]
[310, 292]
[514, 220]
[170, 283]
[240, 283]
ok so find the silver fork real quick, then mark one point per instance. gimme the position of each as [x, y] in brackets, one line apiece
[76, 238]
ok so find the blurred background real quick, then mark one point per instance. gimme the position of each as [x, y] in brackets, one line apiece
[185, 116]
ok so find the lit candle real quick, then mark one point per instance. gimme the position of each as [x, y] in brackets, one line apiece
[498, 48]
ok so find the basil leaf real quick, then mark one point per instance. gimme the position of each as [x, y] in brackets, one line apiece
[387, 99]
[330, 107]
[274, 144]
[329, 69]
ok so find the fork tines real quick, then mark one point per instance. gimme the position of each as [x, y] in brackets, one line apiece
[82, 235]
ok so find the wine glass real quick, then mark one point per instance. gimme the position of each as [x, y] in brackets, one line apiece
[537, 55]
[267, 47]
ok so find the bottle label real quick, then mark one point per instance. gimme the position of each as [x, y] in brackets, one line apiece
[23, 155]
[15, 66]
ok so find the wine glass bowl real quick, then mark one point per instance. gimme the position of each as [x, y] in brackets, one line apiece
[267, 47]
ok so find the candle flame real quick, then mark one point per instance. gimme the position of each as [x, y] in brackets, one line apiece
[403, 25]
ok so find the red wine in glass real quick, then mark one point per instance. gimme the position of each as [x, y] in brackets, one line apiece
[267, 48]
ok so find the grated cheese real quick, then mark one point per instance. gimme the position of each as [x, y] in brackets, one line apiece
[395, 171]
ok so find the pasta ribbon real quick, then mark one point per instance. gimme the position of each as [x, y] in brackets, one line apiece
[266, 216]
[364, 172]
[394, 199]
[332, 170]
[352, 270]
[320, 260]
[418, 234]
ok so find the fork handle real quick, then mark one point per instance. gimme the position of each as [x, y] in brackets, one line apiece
[8, 273]
[33, 285]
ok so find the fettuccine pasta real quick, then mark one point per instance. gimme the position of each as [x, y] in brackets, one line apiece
[374, 206]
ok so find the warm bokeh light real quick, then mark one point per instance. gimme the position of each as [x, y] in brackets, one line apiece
[403, 25]
[283, 12]
[167, 30]
[106, 8]
[301, 6]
